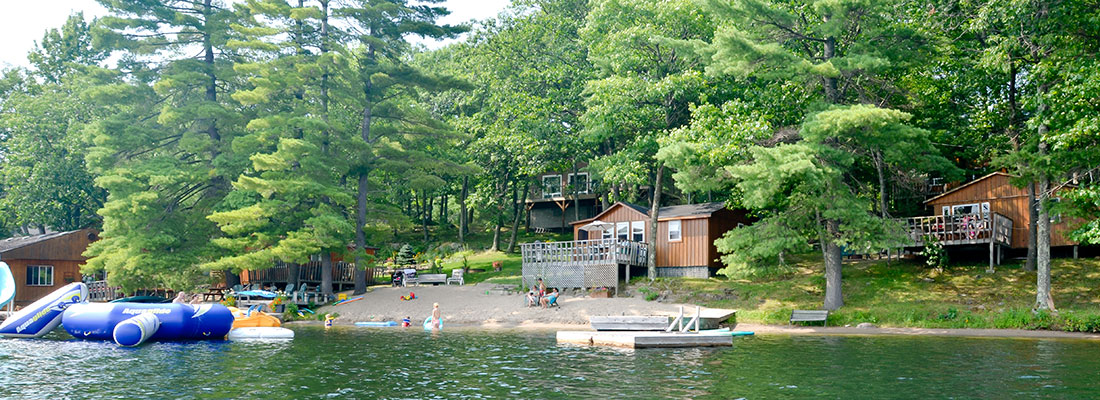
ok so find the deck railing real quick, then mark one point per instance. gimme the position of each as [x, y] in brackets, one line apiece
[580, 263]
[960, 229]
[343, 273]
[100, 291]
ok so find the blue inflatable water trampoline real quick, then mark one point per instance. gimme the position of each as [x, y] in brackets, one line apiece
[174, 321]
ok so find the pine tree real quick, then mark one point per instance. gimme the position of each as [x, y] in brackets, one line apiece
[405, 256]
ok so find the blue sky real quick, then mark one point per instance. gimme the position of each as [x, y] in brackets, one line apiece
[24, 22]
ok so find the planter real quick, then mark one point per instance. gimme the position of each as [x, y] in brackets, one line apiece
[600, 294]
[279, 308]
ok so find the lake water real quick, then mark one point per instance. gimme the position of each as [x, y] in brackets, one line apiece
[347, 362]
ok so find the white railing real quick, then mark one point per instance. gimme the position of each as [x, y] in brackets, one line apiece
[580, 263]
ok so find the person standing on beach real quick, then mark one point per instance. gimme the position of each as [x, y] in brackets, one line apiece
[542, 288]
[436, 315]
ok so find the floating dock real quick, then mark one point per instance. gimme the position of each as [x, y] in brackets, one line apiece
[639, 340]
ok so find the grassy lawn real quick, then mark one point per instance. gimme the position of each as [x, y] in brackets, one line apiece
[906, 294]
[509, 273]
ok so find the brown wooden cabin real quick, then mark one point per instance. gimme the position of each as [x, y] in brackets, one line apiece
[44, 263]
[282, 274]
[685, 234]
[551, 203]
[994, 193]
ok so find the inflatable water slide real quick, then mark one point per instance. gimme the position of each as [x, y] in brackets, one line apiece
[7, 286]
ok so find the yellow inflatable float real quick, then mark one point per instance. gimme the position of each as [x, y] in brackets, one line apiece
[252, 319]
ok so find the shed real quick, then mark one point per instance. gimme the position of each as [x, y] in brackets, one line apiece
[996, 193]
[685, 234]
[43, 263]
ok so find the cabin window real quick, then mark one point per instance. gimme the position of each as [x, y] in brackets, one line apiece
[39, 275]
[579, 182]
[965, 209]
[622, 230]
[674, 234]
[551, 186]
[637, 231]
[606, 234]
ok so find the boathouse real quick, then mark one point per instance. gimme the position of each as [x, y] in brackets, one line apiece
[43, 263]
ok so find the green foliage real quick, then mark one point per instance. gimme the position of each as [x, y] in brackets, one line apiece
[935, 255]
[405, 256]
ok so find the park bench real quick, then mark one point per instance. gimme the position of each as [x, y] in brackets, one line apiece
[429, 278]
[809, 316]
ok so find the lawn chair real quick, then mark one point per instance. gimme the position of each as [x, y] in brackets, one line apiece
[410, 276]
[304, 293]
[289, 292]
[456, 276]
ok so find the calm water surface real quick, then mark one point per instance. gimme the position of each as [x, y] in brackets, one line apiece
[348, 362]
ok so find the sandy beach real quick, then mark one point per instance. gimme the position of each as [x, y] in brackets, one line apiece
[471, 307]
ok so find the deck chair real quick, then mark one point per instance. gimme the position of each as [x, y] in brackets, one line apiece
[456, 276]
[304, 293]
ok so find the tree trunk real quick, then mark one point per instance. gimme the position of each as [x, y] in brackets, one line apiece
[520, 208]
[576, 194]
[292, 274]
[425, 214]
[326, 273]
[1043, 298]
[1032, 228]
[834, 298]
[832, 95]
[654, 210]
[360, 236]
[462, 210]
[881, 184]
[496, 235]
[231, 279]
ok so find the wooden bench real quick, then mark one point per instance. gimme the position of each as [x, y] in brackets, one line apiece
[429, 278]
[504, 289]
[809, 316]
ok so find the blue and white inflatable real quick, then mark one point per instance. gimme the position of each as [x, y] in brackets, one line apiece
[177, 321]
[136, 330]
[44, 315]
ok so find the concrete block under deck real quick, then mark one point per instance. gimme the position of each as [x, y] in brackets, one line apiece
[638, 340]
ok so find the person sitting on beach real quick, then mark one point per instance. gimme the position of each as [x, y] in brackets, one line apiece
[532, 300]
[550, 298]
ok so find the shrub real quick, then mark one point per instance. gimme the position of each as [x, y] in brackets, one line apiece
[935, 256]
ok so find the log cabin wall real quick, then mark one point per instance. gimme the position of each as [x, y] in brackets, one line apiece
[64, 253]
[691, 250]
[1005, 199]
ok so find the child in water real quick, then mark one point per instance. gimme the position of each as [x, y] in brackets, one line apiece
[406, 322]
[436, 315]
[328, 320]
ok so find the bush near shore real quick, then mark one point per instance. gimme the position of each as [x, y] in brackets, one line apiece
[908, 294]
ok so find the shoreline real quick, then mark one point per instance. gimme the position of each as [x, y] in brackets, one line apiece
[767, 330]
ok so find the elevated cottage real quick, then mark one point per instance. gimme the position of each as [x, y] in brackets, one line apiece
[994, 193]
[551, 203]
[43, 263]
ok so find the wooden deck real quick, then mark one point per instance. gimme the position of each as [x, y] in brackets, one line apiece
[641, 339]
[343, 273]
[581, 263]
[955, 230]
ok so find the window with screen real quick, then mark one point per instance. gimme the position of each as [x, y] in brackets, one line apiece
[622, 230]
[551, 186]
[674, 234]
[637, 231]
[39, 275]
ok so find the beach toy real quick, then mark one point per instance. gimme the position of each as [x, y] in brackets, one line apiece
[7, 285]
[44, 315]
[260, 332]
[376, 324]
[428, 324]
[253, 318]
[411, 296]
[177, 321]
[136, 330]
[351, 300]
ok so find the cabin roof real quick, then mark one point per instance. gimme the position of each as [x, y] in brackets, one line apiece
[965, 185]
[669, 212]
[10, 244]
[691, 210]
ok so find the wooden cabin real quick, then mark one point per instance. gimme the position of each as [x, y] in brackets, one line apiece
[613, 246]
[44, 263]
[685, 234]
[282, 274]
[994, 193]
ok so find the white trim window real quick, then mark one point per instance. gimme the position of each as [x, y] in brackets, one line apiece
[674, 232]
[637, 231]
[551, 186]
[583, 186]
[622, 231]
[39, 275]
[967, 209]
[607, 234]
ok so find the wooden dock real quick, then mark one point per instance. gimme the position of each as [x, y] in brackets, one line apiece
[639, 340]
